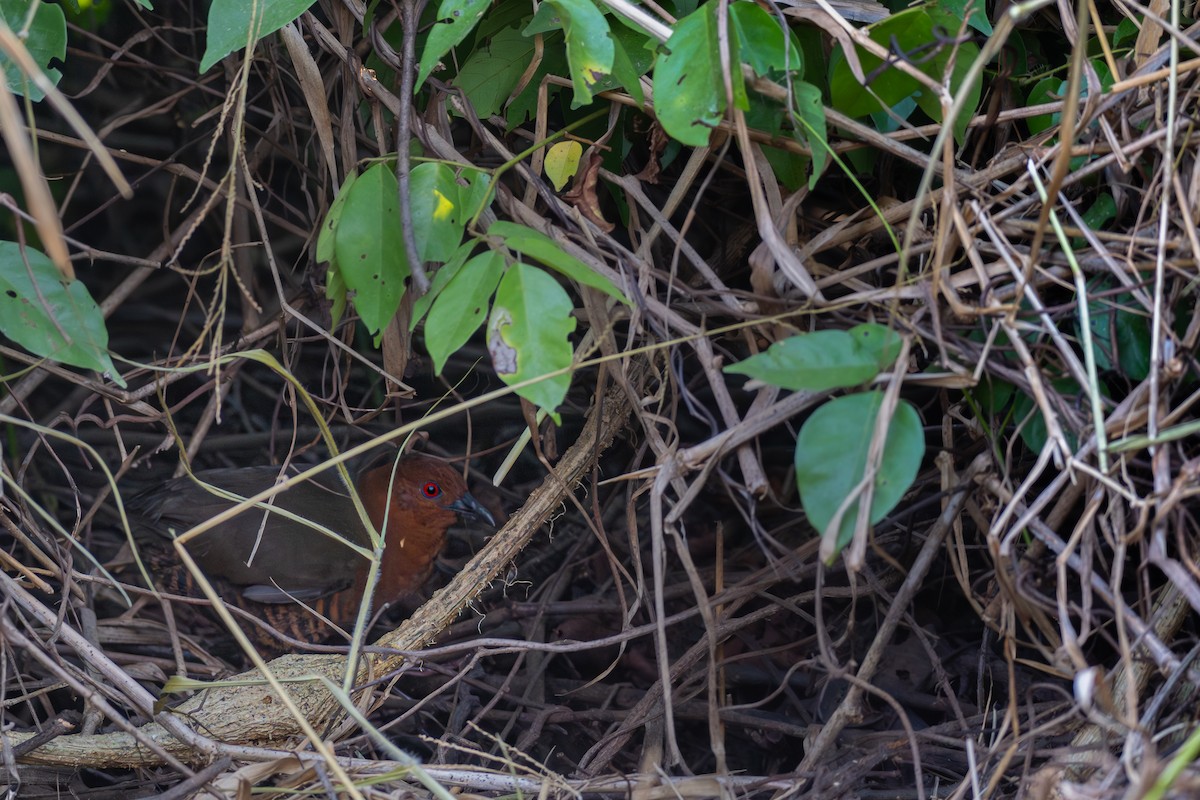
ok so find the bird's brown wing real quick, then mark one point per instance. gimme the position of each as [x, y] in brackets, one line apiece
[268, 557]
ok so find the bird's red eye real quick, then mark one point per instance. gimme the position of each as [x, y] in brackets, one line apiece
[431, 490]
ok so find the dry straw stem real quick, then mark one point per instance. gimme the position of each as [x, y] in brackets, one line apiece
[240, 720]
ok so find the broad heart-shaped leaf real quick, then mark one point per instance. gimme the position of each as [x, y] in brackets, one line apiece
[761, 42]
[437, 211]
[230, 23]
[368, 248]
[527, 335]
[61, 323]
[562, 162]
[589, 48]
[912, 31]
[831, 459]
[538, 245]
[824, 360]
[461, 306]
[456, 19]
[46, 40]
[689, 92]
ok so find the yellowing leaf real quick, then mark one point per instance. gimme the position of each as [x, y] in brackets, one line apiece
[443, 207]
[562, 162]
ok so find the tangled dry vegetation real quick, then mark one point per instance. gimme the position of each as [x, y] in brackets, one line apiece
[653, 619]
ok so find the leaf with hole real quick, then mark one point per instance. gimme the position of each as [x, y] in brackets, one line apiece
[327, 236]
[527, 335]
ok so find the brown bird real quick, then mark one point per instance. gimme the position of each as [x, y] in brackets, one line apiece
[272, 566]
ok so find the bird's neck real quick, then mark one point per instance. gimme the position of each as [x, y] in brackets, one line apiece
[412, 540]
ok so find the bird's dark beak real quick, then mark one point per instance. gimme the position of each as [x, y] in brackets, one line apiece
[468, 506]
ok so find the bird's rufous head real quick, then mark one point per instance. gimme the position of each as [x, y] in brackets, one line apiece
[426, 497]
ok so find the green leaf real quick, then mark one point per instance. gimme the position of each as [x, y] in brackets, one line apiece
[1121, 337]
[1127, 30]
[232, 24]
[878, 341]
[1133, 344]
[337, 294]
[589, 48]
[627, 71]
[553, 62]
[475, 195]
[441, 277]
[49, 319]
[456, 19]
[992, 394]
[1047, 90]
[1097, 217]
[761, 41]
[460, 308]
[824, 360]
[1052, 89]
[437, 214]
[1034, 432]
[960, 8]
[831, 459]
[562, 162]
[368, 248]
[46, 39]
[1101, 212]
[536, 244]
[325, 239]
[527, 335]
[490, 73]
[811, 127]
[916, 33]
[689, 91]
[790, 168]
[503, 14]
